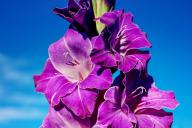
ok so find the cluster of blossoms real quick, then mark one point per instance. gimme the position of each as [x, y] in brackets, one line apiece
[96, 74]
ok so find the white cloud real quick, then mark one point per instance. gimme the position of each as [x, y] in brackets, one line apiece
[1, 90]
[26, 99]
[21, 98]
[19, 105]
[9, 114]
[11, 70]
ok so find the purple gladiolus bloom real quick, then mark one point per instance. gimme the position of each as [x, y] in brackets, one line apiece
[117, 110]
[70, 77]
[120, 43]
[77, 77]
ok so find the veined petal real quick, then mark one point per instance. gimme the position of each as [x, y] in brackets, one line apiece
[154, 119]
[112, 94]
[136, 39]
[57, 88]
[70, 56]
[109, 18]
[81, 102]
[129, 36]
[63, 119]
[99, 78]
[140, 57]
[42, 79]
[53, 84]
[134, 59]
[122, 28]
[104, 58]
[158, 99]
[98, 42]
[110, 114]
[127, 63]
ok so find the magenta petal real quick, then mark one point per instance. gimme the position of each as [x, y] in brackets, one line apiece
[53, 84]
[110, 114]
[142, 59]
[70, 56]
[81, 102]
[98, 42]
[109, 18]
[128, 31]
[80, 47]
[127, 63]
[154, 119]
[99, 54]
[134, 59]
[63, 119]
[158, 99]
[136, 38]
[112, 94]
[58, 87]
[104, 58]
[47, 74]
[99, 78]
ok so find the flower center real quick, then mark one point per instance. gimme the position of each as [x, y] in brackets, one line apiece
[81, 69]
[137, 92]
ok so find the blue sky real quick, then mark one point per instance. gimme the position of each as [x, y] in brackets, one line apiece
[28, 27]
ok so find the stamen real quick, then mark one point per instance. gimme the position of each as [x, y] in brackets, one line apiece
[137, 92]
[69, 60]
[70, 63]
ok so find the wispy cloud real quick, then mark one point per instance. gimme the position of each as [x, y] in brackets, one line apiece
[11, 70]
[1, 90]
[21, 98]
[10, 114]
[19, 103]
[21, 106]
[26, 99]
